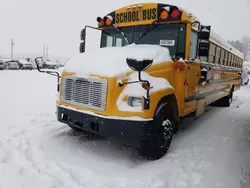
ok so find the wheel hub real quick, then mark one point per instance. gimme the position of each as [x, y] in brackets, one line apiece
[166, 130]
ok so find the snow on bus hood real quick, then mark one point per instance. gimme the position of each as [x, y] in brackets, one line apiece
[136, 90]
[111, 61]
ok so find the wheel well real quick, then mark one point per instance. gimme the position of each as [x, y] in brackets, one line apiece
[172, 101]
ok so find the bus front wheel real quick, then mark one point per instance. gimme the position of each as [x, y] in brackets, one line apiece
[158, 145]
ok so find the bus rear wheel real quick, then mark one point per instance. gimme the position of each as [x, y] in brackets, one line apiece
[247, 82]
[158, 145]
[225, 101]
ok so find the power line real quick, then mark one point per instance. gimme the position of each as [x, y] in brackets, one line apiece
[45, 51]
[11, 49]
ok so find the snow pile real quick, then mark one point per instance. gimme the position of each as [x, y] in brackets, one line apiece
[111, 61]
[37, 151]
[136, 90]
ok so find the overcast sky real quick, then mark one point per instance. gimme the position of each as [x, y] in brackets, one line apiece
[57, 23]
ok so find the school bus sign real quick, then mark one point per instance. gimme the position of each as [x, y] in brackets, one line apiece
[136, 14]
[142, 14]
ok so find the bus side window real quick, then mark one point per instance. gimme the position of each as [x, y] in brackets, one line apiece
[118, 42]
[212, 53]
[109, 42]
[193, 45]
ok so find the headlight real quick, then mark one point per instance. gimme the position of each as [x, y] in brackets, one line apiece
[134, 101]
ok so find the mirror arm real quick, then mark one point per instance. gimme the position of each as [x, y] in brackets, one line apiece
[125, 83]
[96, 28]
[145, 81]
[199, 24]
[140, 80]
[53, 73]
[147, 99]
[83, 36]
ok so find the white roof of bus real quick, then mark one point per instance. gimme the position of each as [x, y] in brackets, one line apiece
[225, 44]
[215, 38]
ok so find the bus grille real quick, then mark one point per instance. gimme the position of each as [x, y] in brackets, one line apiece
[89, 93]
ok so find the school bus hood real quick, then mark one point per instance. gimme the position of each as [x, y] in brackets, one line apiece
[111, 61]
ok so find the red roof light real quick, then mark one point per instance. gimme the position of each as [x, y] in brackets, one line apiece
[175, 13]
[100, 21]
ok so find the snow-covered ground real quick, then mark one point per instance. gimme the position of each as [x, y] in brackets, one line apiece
[37, 151]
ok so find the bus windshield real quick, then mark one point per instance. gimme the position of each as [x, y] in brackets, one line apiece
[171, 36]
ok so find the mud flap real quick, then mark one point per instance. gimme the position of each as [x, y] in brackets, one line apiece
[200, 107]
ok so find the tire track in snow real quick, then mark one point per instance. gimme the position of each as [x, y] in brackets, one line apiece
[21, 142]
[71, 175]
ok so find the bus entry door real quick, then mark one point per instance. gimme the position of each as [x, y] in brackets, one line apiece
[193, 79]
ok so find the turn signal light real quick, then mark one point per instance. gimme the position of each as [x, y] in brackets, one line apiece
[145, 85]
[108, 20]
[175, 13]
[180, 65]
[164, 13]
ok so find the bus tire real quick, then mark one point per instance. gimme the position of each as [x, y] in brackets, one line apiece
[165, 124]
[247, 82]
[227, 100]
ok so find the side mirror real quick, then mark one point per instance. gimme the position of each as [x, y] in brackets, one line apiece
[203, 41]
[82, 47]
[139, 65]
[83, 34]
[82, 44]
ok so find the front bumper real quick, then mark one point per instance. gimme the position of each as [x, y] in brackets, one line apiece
[128, 129]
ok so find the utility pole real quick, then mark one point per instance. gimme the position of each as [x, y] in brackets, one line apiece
[12, 45]
[44, 51]
[47, 52]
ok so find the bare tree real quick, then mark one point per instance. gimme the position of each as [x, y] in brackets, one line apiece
[243, 46]
[237, 44]
[246, 46]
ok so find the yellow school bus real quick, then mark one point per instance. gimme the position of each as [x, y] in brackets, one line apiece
[155, 65]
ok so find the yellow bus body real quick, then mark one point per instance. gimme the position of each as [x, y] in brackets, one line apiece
[191, 94]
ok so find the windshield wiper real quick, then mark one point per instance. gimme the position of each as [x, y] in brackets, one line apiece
[123, 35]
[150, 28]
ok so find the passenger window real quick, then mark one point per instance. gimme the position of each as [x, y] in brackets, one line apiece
[218, 55]
[118, 42]
[212, 53]
[232, 60]
[193, 45]
[222, 57]
[226, 58]
[109, 41]
[229, 59]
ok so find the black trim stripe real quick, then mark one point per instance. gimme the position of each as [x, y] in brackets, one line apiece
[203, 95]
